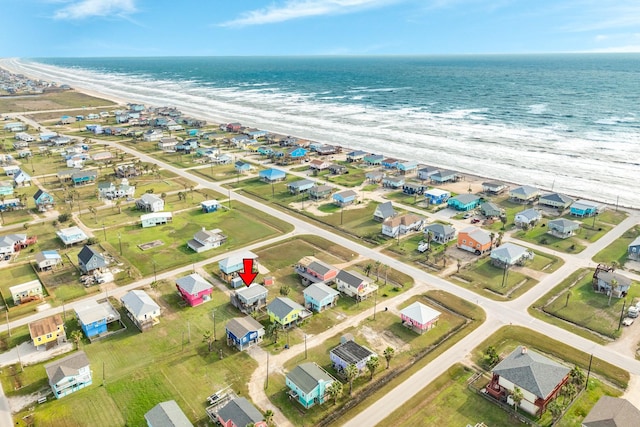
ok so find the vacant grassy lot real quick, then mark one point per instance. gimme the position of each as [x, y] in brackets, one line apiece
[482, 277]
[539, 236]
[584, 307]
[51, 101]
[243, 225]
[617, 251]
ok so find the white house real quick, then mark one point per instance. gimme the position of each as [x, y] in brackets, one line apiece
[204, 240]
[150, 203]
[141, 309]
[355, 285]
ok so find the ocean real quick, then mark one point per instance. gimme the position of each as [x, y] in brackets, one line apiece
[567, 123]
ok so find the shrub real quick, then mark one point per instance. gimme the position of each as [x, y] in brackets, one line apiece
[64, 217]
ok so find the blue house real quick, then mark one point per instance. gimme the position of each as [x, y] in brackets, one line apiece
[356, 156]
[435, 196]
[93, 319]
[209, 205]
[84, 177]
[69, 374]
[242, 167]
[272, 175]
[308, 383]
[296, 153]
[393, 181]
[188, 145]
[345, 198]
[300, 186]
[243, 332]
[265, 150]
[464, 202]
[389, 163]
[373, 159]
[319, 296]
[44, 201]
[407, 167]
[584, 208]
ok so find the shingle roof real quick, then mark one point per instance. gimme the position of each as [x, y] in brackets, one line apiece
[139, 303]
[563, 223]
[193, 284]
[529, 214]
[241, 326]
[351, 278]
[465, 199]
[91, 312]
[65, 367]
[282, 306]
[556, 197]
[420, 312]
[385, 210]
[612, 412]
[440, 229]
[241, 412]
[319, 291]
[531, 371]
[524, 190]
[345, 194]
[87, 253]
[307, 376]
[478, 235]
[167, 414]
[608, 276]
[248, 292]
[351, 352]
[636, 242]
[320, 267]
[508, 251]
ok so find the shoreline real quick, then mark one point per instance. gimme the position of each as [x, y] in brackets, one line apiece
[211, 117]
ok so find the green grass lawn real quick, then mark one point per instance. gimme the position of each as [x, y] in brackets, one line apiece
[354, 178]
[482, 277]
[545, 262]
[242, 225]
[51, 101]
[585, 307]
[538, 235]
[617, 251]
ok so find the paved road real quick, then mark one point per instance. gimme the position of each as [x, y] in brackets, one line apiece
[498, 313]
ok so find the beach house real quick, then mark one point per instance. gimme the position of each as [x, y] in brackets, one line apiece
[419, 318]
[43, 200]
[308, 384]
[150, 203]
[320, 192]
[606, 280]
[612, 411]
[249, 299]
[93, 318]
[441, 233]
[509, 254]
[538, 378]
[436, 196]
[344, 198]
[524, 194]
[47, 260]
[26, 292]
[90, 260]
[47, 332]
[71, 235]
[442, 176]
[475, 240]
[69, 374]
[491, 210]
[272, 175]
[312, 270]
[141, 309]
[194, 289]
[230, 266]
[555, 200]
[527, 218]
[286, 312]
[205, 240]
[384, 211]
[464, 202]
[633, 250]
[494, 187]
[402, 224]
[583, 208]
[240, 412]
[349, 352]
[355, 285]
[155, 218]
[300, 186]
[167, 414]
[318, 296]
[562, 228]
[244, 332]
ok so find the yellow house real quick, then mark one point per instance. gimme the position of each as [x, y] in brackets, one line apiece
[286, 312]
[47, 331]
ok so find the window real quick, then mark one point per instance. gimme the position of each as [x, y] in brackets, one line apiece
[478, 246]
[49, 335]
[464, 241]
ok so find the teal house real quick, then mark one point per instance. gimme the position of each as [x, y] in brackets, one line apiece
[319, 296]
[584, 208]
[464, 202]
[308, 384]
[69, 374]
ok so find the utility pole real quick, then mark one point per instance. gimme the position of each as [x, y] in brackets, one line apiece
[305, 346]
[375, 303]
[155, 276]
[6, 312]
[586, 384]
[267, 381]
[213, 315]
[120, 241]
[624, 302]
[104, 230]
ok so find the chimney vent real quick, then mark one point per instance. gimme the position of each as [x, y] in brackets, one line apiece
[524, 350]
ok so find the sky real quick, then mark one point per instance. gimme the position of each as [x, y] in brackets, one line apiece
[99, 28]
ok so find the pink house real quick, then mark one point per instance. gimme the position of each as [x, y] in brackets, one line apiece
[419, 317]
[194, 289]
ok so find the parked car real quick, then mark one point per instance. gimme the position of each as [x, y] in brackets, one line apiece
[628, 321]
[475, 220]
[633, 311]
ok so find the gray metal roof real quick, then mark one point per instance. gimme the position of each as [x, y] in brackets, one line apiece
[320, 267]
[531, 371]
[556, 197]
[385, 210]
[524, 190]
[608, 276]
[66, 367]
[466, 198]
[529, 214]
[139, 303]
[420, 312]
[307, 376]
[282, 306]
[241, 326]
[249, 292]
[352, 352]
[508, 252]
[167, 414]
[562, 224]
[636, 242]
[241, 412]
[319, 291]
[612, 412]
[440, 229]
[193, 284]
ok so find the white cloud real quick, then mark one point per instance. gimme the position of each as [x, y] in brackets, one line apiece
[295, 9]
[88, 8]
[619, 49]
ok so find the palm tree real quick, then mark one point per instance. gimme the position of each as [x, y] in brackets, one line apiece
[351, 372]
[207, 337]
[503, 220]
[429, 237]
[76, 337]
[268, 416]
[492, 236]
[555, 407]
[614, 266]
[285, 290]
[119, 205]
[614, 287]
[377, 266]
[372, 365]
[566, 303]
[568, 391]
[368, 268]
[272, 331]
[180, 195]
[458, 264]
[577, 377]
[335, 390]
[94, 212]
[517, 397]
[499, 239]
[388, 354]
